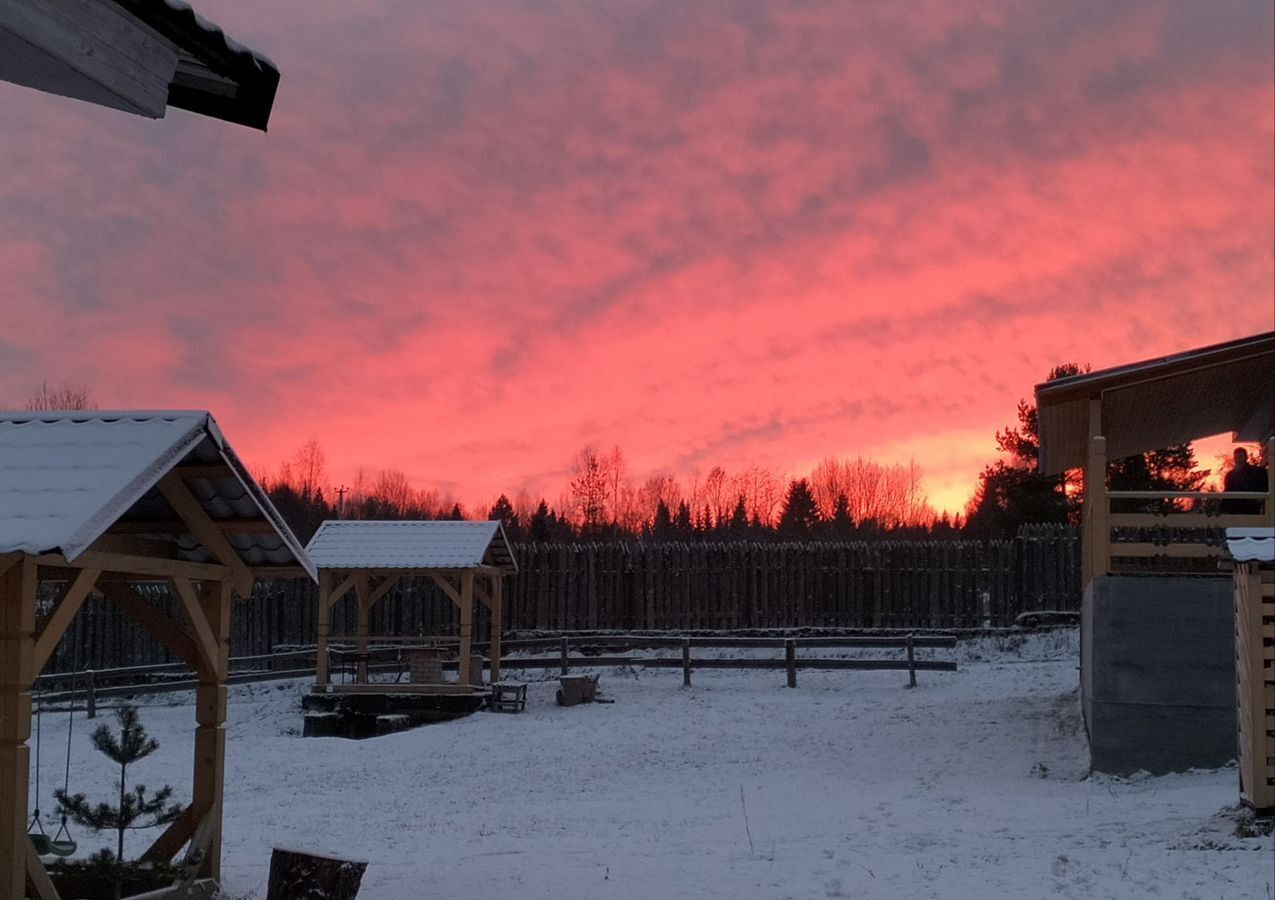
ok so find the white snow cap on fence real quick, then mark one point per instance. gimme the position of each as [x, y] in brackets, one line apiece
[448, 544]
[1251, 544]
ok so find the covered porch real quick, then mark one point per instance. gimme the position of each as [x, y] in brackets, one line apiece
[1157, 631]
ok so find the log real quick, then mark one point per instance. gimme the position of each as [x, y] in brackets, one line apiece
[297, 875]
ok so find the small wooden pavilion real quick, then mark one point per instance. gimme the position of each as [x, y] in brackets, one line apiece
[468, 561]
[107, 501]
[1252, 557]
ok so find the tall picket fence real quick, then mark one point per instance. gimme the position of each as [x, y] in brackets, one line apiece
[664, 586]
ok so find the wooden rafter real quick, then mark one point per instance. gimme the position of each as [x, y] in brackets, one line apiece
[205, 470]
[164, 629]
[205, 640]
[68, 604]
[202, 526]
[175, 836]
[135, 565]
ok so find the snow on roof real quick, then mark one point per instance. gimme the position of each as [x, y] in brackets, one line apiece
[409, 545]
[1251, 544]
[66, 477]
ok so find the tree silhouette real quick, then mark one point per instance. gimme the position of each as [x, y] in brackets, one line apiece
[801, 514]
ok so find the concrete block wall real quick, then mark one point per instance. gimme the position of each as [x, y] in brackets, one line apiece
[1158, 672]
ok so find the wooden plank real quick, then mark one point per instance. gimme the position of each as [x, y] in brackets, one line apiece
[153, 620]
[128, 565]
[199, 628]
[497, 624]
[68, 604]
[1173, 551]
[202, 526]
[17, 642]
[466, 626]
[92, 51]
[37, 876]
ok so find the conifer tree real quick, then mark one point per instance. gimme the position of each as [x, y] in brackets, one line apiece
[801, 514]
[136, 809]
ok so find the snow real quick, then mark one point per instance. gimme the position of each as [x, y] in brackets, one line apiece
[1251, 544]
[973, 785]
[66, 477]
[403, 544]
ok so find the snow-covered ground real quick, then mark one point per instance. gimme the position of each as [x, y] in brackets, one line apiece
[974, 785]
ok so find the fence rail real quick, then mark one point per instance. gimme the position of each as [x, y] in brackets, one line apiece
[641, 586]
[591, 652]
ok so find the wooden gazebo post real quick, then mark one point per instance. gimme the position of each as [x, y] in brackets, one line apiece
[17, 641]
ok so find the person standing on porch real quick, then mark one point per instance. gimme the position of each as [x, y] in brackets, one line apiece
[1244, 477]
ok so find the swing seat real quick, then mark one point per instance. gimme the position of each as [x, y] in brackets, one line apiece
[63, 847]
[43, 846]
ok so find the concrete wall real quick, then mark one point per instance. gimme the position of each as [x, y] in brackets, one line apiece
[1158, 672]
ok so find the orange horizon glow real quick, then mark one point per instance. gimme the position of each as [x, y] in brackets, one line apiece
[479, 237]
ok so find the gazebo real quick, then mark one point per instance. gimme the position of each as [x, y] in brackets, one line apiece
[1157, 653]
[107, 501]
[367, 559]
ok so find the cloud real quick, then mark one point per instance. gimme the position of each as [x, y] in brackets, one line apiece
[478, 236]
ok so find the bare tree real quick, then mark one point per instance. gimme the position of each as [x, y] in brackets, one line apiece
[309, 469]
[64, 396]
[589, 487]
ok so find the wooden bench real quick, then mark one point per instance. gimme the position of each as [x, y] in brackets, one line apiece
[508, 696]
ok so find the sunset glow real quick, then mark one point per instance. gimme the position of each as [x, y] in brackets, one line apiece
[479, 236]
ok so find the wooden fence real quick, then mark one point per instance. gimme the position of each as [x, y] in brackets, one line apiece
[664, 587]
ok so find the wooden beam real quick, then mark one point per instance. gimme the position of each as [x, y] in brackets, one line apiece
[175, 836]
[135, 545]
[38, 879]
[361, 587]
[466, 625]
[73, 597]
[159, 626]
[447, 588]
[92, 51]
[481, 593]
[205, 640]
[497, 616]
[275, 572]
[342, 588]
[7, 560]
[386, 585]
[125, 564]
[210, 735]
[201, 524]
[323, 629]
[17, 644]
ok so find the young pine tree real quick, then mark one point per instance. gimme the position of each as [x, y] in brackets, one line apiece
[136, 809]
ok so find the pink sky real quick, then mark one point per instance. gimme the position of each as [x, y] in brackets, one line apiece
[482, 235]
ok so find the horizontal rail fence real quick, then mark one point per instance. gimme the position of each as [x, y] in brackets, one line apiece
[665, 586]
[570, 652]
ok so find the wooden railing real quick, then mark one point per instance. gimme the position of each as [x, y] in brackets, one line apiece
[1165, 531]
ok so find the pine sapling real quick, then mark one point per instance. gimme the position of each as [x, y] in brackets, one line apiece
[136, 809]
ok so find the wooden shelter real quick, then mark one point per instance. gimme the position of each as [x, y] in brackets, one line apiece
[1157, 653]
[466, 560]
[106, 501]
[139, 56]
[1252, 555]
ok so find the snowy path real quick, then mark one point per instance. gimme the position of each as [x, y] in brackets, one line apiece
[971, 786]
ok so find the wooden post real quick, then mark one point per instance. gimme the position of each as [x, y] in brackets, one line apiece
[911, 663]
[790, 655]
[686, 662]
[361, 588]
[90, 695]
[565, 657]
[466, 625]
[17, 647]
[323, 630]
[210, 730]
[497, 623]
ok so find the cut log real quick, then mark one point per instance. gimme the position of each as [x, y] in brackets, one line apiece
[297, 875]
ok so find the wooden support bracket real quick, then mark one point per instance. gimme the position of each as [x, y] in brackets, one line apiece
[448, 588]
[73, 597]
[342, 588]
[205, 640]
[203, 527]
[165, 630]
[38, 877]
[387, 584]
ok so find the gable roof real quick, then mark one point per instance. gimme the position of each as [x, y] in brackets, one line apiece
[353, 544]
[1158, 402]
[67, 477]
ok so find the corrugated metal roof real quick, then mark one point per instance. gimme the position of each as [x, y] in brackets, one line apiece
[1155, 403]
[355, 544]
[1251, 544]
[67, 477]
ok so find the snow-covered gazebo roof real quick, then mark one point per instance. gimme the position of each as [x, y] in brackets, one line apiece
[353, 544]
[70, 479]
[1251, 545]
